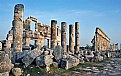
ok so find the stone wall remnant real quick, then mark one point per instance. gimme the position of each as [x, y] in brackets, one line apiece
[100, 42]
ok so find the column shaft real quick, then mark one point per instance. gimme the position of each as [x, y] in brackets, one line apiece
[71, 39]
[63, 36]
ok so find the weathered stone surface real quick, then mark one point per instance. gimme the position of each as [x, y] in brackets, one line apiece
[30, 56]
[100, 42]
[9, 39]
[16, 71]
[18, 27]
[63, 36]
[71, 39]
[4, 74]
[77, 37]
[5, 62]
[44, 60]
[58, 52]
[48, 60]
[53, 33]
[69, 62]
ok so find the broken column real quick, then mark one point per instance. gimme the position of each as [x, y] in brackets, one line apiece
[71, 39]
[77, 41]
[63, 36]
[53, 33]
[18, 27]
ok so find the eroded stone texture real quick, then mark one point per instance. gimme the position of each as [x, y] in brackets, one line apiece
[5, 62]
[16, 71]
[4, 74]
[77, 39]
[9, 39]
[63, 36]
[58, 39]
[101, 42]
[53, 33]
[40, 40]
[27, 23]
[69, 62]
[71, 39]
[58, 52]
[30, 56]
[18, 27]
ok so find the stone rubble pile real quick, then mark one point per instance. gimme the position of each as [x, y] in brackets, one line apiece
[5, 64]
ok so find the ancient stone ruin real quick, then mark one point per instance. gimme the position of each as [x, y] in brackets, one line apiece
[101, 41]
[17, 49]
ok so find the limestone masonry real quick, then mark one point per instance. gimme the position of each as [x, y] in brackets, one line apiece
[17, 49]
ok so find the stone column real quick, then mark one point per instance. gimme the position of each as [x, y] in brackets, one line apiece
[71, 39]
[77, 39]
[53, 33]
[18, 27]
[63, 36]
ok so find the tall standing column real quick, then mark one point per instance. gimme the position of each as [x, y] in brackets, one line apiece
[63, 36]
[77, 39]
[53, 33]
[71, 39]
[18, 27]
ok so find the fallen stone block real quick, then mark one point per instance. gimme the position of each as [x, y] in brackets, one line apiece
[16, 71]
[58, 52]
[44, 60]
[30, 56]
[70, 62]
[5, 62]
[4, 74]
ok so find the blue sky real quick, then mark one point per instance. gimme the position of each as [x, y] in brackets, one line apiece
[105, 14]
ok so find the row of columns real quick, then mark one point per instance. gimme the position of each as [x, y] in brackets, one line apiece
[101, 43]
[63, 36]
[18, 32]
